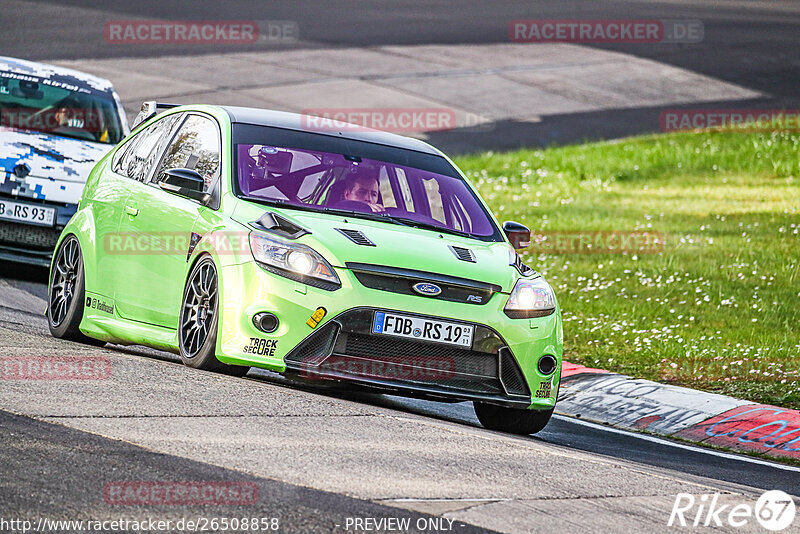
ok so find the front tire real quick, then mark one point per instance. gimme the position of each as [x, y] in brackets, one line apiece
[512, 420]
[197, 327]
[66, 294]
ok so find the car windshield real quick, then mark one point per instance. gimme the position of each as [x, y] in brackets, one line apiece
[372, 188]
[43, 105]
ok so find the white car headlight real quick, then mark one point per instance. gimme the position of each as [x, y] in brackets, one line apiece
[531, 298]
[294, 261]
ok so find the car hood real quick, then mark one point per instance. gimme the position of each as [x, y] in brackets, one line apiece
[49, 156]
[396, 246]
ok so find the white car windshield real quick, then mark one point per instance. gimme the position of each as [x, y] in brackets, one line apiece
[43, 105]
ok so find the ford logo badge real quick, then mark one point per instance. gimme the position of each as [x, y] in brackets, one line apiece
[427, 289]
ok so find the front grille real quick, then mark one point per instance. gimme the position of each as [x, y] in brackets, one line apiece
[420, 354]
[345, 348]
[396, 280]
[29, 236]
[403, 373]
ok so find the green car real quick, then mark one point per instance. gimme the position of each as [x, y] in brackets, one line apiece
[242, 238]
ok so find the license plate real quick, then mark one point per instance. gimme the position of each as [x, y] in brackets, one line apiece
[422, 329]
[16, 211]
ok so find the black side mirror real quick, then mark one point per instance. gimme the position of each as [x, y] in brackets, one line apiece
[518, 234]
[186, 183]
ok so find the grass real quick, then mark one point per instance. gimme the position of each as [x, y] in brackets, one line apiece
[717, 307]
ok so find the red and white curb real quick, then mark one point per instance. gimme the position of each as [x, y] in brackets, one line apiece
[624, 402]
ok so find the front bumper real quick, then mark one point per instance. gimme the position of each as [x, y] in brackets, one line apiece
[29, 243]
[500, 367]
[347, 349]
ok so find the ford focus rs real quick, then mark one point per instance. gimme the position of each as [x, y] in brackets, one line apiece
[239, 238]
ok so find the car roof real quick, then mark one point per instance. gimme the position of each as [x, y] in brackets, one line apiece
[58, 74]
[295, 121]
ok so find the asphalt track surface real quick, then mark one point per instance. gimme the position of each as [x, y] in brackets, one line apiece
[66, 488]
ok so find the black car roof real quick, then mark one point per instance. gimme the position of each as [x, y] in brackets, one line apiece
[294, 121]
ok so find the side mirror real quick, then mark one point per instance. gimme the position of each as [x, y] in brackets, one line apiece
[186, 183]
[518, 234]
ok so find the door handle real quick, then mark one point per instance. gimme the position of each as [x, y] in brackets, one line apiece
[130, 210]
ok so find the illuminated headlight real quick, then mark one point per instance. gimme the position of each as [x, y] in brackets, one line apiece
[301, 262]
[531, 298]
[294, 261]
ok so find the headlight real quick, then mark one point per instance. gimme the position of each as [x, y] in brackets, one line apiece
[293, 260]
[531, 298]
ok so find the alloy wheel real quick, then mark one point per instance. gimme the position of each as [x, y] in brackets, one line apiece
[199, 307]
[62, 292]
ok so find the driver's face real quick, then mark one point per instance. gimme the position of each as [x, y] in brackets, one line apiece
[62, 116]
[363, 191]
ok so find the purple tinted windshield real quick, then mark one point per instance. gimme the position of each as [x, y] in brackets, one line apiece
[314, 179]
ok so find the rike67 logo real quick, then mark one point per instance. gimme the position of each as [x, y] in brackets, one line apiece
[775, 510]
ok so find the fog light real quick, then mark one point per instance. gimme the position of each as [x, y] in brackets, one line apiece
[547, 364]
[266, 322]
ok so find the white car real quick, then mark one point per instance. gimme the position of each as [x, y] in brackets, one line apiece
[55, 125]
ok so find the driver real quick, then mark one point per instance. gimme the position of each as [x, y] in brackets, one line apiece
[261, 170]
[68, 114]
[364, 189]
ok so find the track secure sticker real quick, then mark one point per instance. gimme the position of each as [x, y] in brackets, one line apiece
[261, 347]
[544, 390]
[316, 317]
[97, 304]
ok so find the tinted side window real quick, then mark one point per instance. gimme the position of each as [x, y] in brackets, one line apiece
[122, 155]
[139, 154]
[196, 146]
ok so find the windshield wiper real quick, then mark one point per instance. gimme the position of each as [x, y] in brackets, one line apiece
[366, 215]
[372, 216]
[281, 203]
[428, 226]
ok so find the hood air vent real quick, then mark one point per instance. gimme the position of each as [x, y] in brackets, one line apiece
[356, 237]
[272, 222]
[463, 254]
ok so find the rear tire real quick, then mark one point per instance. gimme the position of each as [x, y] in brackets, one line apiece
[197, 326]
[512, 420]
[66, 293]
